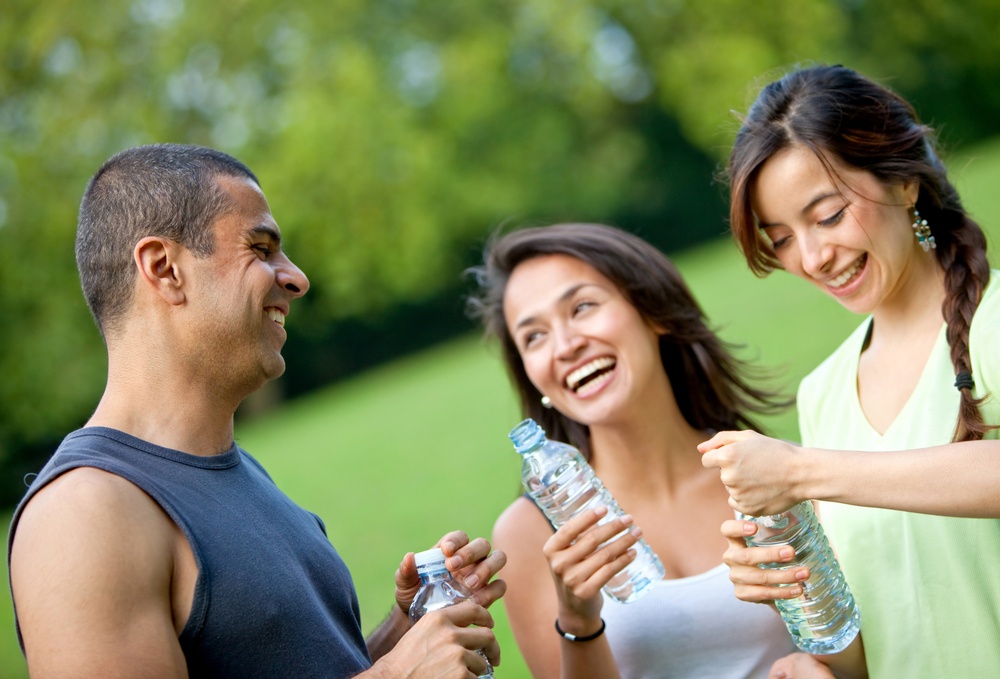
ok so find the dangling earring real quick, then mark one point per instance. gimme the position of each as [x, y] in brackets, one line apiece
[922, 232]
[546, 402]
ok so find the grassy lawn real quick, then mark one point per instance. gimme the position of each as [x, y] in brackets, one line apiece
[395, 458]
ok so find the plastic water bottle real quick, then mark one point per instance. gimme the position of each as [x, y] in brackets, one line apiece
[439, 590]
[824, 618]
[561, 482]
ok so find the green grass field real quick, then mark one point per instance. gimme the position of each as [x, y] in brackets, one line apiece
[395, 458]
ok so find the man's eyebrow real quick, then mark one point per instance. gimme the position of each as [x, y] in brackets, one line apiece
[266, 231]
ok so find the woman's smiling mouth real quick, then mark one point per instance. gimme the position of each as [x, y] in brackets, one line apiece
[591, 375]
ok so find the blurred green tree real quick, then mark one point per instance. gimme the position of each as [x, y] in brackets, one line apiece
[393, 136]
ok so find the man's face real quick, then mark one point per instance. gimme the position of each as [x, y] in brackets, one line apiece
[241, 294]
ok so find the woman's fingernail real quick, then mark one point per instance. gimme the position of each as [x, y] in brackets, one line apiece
[600, 511]
[748, 527]
[801, 574]
[785, 552]
[627, 519]
[637, 532]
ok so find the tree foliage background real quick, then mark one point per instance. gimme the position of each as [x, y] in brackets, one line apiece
[393, 136]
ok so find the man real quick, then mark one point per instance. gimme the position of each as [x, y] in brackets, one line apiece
[151, 545]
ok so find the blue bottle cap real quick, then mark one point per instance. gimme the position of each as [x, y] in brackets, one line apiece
[527, 436]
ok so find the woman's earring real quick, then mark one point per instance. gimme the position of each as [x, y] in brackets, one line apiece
[546, 402]
[922, 232]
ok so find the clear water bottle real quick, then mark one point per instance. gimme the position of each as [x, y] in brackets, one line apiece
[438, 590]
[563, 484]
[824, 618]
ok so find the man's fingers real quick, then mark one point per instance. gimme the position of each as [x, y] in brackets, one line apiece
[491, 593]
[467, 613]
[452, 542]
[490, 647]
[479, 572]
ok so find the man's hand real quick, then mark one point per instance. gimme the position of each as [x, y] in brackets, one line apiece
[472, 563]
[439, 644]
[442, 645]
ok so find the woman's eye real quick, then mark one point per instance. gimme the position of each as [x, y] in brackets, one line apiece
[830, 221]
[582, 306]
[531, 338]
[778, 238]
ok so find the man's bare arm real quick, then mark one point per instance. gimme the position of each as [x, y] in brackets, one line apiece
[94, 581]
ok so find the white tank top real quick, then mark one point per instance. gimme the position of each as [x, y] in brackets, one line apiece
[695, 628]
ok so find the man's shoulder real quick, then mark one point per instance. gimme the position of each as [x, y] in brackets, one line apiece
[92, 563]
[86, 467]
[92, 500]
[95, 520]
[88, 442]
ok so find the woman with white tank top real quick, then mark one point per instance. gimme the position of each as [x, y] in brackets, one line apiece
[610, 352]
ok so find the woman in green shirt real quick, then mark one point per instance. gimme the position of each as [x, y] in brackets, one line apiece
[834, 179]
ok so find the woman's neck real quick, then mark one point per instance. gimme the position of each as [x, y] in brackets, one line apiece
[917, 304]
[653, 451]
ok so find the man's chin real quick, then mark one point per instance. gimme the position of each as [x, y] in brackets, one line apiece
[275, 368]
[271, 368]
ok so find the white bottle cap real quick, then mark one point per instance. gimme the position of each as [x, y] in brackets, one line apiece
[431, 557]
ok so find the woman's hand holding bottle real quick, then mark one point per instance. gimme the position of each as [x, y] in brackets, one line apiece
[752, 583]
[764, 476]
[582, 561]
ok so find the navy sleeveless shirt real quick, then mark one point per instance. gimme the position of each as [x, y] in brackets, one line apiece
[273, 598]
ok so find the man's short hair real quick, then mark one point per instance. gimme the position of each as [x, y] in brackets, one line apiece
[166, 190]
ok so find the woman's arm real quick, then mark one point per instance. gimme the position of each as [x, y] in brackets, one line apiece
[767, 476]
[559, 576]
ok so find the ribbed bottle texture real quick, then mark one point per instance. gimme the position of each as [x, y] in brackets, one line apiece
[824, 618]
[561, 482]
[438, 590]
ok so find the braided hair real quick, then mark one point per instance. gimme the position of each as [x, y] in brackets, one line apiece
[836, 112]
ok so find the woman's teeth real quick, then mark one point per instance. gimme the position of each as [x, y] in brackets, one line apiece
[584, 373]
[842, 279]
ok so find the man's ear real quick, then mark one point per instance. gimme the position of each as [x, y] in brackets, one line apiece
[159, 267]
